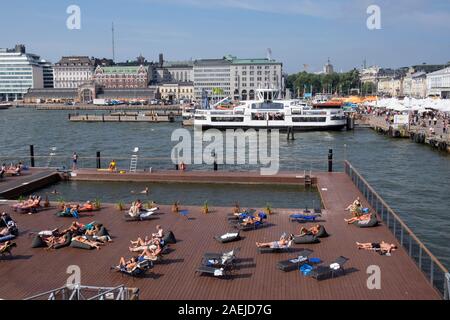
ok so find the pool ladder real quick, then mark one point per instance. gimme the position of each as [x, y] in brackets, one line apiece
[133, 163]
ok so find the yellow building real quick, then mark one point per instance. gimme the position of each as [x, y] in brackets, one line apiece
[176, 91]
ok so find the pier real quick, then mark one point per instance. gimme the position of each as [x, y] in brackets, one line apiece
[412, 272]
[150, 117]
[439, 140]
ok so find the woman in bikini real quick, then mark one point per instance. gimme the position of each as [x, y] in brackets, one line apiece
[382, 248]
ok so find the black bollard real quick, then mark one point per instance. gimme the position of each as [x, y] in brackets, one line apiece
[215, 165]
[330, 160]
[99, 165]
[31, 155]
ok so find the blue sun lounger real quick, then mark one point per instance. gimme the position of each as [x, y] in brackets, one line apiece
[303, 218]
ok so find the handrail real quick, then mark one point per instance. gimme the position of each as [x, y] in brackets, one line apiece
[352, 173]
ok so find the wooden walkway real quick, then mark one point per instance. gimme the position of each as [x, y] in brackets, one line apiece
[13, 186]
[35, 270]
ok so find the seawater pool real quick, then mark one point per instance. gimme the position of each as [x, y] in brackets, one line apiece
[223, 195]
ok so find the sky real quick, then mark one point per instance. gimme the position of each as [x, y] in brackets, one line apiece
[299, 32]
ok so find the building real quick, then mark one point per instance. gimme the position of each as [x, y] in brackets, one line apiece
[235, 78]
[328, 68]
[47, 71]
[122, 77]
[71, 71]
[19, 71]
[212, 76]
[438, 83]
[176, 91]
[415, 84]
[173, 71]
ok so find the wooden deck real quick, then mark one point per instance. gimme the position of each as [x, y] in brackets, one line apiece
[35, 270]
[221, 177]
[13, 186]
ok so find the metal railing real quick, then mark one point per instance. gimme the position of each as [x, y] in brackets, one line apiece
[145, 163]
[79, 292]
[435, 272]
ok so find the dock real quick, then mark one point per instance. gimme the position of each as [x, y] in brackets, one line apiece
[33, 271]
[418, 134]
[11, 187]
[122, 118]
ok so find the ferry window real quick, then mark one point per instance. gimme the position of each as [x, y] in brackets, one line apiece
[200, 118]
[309, 119]
[267, 105]
[277, 116]
[227, 119]
[337, 118]
[258, 116]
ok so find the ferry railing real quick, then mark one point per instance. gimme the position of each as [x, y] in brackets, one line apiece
[435, 272]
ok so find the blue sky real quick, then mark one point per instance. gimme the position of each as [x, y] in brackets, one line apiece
[298, 31]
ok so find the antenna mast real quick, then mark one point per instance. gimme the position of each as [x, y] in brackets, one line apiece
[113, 44]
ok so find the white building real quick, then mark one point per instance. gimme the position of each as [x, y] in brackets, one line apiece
[438, 83]
[236, 78]
[19, 71]
[72, 71]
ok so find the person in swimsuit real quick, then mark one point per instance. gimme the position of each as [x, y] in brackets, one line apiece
[382, 247]
[283, 242]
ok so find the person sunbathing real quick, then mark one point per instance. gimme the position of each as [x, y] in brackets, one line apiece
[159, 234]
[139, 245]
[309, 231]
[32, 206]
[7, 225]
[24, 203]
[86, 207]
[93, 243]
[355, 207]
[250, 220]
[382, 248]
[127, 265]
[150, 254]
[7, 247]
[74, 228]
[14, 170]
[94, 233]
[135, 209]
[52, 241]
[364, 217]
[282, 243]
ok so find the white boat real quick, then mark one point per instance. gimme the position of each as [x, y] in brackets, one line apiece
[268, 112]
[5, 106]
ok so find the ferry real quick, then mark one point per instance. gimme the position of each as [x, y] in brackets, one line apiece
[269, 112]
[5, 106]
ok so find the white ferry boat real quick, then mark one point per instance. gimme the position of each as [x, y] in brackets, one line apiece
[268, 112]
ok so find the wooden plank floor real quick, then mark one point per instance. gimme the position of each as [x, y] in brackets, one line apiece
[35, 270]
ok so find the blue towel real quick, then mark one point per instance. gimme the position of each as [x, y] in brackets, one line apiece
[315, 260]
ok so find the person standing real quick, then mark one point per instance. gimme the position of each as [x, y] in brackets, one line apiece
[74, 161]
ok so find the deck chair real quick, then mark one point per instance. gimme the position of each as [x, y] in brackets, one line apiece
[276, 250]
[220, 255]
[298, 217]
[324, 272]
[213, 271]
[249, 227]
[295, 263]
[372, 222]
[184, 213]
[228, 237]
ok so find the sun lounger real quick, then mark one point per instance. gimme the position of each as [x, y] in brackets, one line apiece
[372, 222]
[212, 271]
[295, 263]
[306, 239]
[276, 250]
[228, 237]
[324, 272]
[300, 217]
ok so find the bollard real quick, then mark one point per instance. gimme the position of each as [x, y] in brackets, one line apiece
[330, 160]
[31, 155]
[98, 160]
[215, 165]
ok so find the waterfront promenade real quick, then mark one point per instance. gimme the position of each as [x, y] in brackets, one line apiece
[36, 270]
[439, 139]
